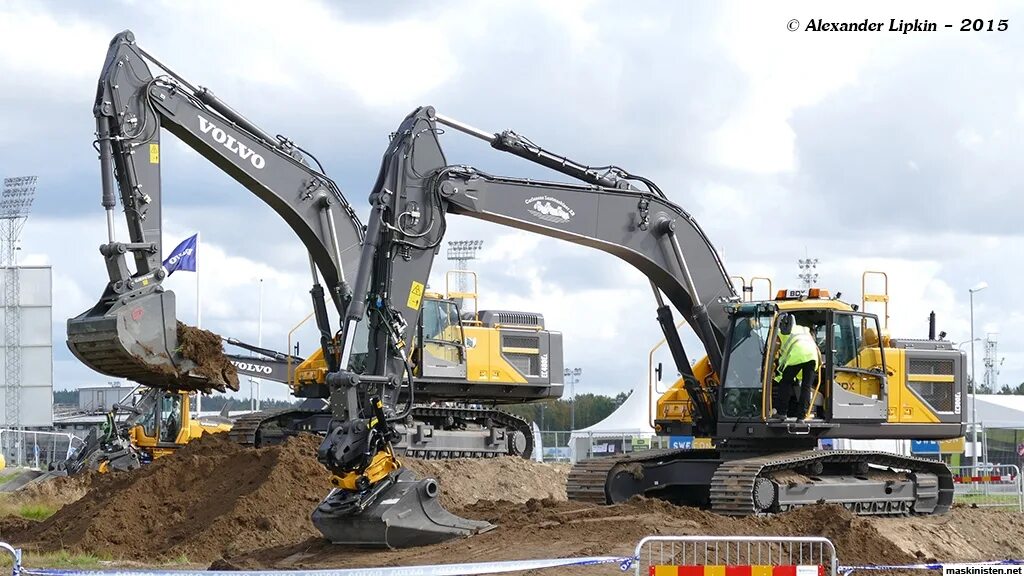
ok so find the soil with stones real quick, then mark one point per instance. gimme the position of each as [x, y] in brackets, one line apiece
[215, 501]
[207, 351]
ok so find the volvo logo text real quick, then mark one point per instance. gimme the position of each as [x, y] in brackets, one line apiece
[228, 141]
[249, 367]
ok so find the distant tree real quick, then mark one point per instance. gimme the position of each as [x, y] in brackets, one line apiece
[557, 414]
[982, 389]
[216, 402]
[621, 397]
[1016, 391]
[65, 397]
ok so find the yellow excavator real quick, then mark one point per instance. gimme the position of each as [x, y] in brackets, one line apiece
[460, 352]
[375, 276]
[157, 422]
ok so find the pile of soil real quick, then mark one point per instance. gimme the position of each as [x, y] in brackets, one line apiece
[216, 501]
[207, 351]
[210, 499]
[555, 529]
[965, 534]
[465, 481]
[58, 491]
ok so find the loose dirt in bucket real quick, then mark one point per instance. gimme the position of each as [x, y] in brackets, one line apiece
[207, 351]
[215, 501]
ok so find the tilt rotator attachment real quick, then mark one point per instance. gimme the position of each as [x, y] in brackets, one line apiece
[376, 502]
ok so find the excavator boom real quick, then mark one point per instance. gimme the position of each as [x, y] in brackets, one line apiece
[132, 332]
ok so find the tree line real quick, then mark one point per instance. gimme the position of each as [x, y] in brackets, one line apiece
[1005, 390]
[557, 414]
[213, 402]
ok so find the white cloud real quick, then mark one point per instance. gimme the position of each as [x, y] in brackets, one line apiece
[703, 99]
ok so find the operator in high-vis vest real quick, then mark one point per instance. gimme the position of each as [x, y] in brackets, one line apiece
[799, 359]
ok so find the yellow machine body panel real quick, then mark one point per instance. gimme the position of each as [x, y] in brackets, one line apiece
[312, 370]
[484, 359]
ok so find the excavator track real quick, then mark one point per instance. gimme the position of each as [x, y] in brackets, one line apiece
[588, 478]
[245, 429]
[745, 486]
[775, 482]
[251, 430]
[519, 439]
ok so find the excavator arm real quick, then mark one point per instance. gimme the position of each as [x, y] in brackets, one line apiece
[132, 331]
[416, 189]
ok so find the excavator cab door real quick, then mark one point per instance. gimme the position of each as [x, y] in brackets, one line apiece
[855, 366]
[442, 348]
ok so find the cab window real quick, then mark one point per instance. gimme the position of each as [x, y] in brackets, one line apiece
[148, 421]
[170, 417]
[855, 340]
[438, 317]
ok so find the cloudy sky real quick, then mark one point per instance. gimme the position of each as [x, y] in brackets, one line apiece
[874, 151]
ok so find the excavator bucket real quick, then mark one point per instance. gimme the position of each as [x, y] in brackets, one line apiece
[142, 341]
[405, 513]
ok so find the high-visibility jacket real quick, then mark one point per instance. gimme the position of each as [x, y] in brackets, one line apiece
[798, 347]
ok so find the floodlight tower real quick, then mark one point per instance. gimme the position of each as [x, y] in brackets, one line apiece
[808, 272]
[15, 205]
[992, 363]
[461, 252]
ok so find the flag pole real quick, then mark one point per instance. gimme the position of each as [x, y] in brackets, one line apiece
[199, 317]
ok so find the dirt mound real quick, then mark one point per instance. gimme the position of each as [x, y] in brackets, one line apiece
[211, 498]
[465, 481]
[554, 529]
[250, 508]
[59, 491]
[207, 351]
[964, 534]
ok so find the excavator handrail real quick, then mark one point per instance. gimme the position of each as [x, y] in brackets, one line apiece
[652, 389]
[291, 373]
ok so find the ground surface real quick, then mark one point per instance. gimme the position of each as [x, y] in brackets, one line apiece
[216, 502]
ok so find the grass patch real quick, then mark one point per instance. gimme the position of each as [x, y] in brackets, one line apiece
[32, 509]
[1007, 500]
[61, 559]
[5, 476]
[36, 511]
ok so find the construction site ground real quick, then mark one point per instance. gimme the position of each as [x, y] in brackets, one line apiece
[218, 504]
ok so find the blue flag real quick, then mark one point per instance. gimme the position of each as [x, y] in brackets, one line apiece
[183, 257]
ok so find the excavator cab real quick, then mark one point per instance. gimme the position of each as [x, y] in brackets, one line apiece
[440, 342]
[851, 383]
[163, 422]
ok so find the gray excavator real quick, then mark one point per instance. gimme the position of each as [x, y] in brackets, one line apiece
[758, 463]
[868, 388]
[132, 332]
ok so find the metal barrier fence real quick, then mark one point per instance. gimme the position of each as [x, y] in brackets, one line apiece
[30, 449]
[742, 555]
[989, 485]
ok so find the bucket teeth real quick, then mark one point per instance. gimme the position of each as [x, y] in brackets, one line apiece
[400, 512]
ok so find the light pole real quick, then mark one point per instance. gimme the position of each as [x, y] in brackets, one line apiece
[974, 383]
[259, 342]
[573, 374]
